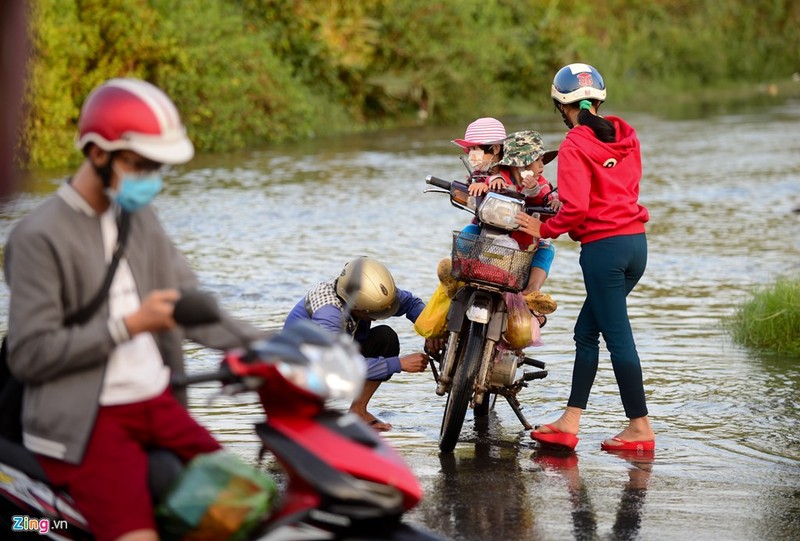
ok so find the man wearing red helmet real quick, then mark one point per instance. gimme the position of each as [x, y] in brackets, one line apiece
[97, 392]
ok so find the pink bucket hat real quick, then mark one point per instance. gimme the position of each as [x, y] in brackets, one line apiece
[484, 131]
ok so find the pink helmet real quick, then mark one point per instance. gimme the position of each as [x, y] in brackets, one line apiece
[483, 131]
[130, 114]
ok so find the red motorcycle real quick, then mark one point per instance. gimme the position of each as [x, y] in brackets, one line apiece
[343, 480]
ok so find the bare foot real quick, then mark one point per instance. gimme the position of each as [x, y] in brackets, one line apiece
[376, 423]
[638, 429]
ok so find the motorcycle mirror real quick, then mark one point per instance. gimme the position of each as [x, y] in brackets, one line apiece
[196, 307]
[466, 163]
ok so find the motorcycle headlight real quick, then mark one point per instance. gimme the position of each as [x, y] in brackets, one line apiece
[336, 372]
[500, 210]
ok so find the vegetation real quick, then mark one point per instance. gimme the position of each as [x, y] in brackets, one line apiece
[250, 72]
[771, 319]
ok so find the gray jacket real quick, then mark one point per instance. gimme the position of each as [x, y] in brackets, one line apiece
[54, 264]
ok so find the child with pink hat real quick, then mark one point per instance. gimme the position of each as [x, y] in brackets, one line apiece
[483, 141]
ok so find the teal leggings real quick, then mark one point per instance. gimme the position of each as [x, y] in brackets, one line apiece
[611, 268]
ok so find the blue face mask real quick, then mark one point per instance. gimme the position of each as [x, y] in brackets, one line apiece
[137, 191]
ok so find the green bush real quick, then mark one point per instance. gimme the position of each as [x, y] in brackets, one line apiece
[232, 90]
[770, 320]
[252, 72]
[78, 44]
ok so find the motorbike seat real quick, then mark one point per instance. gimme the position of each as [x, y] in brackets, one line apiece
[18, 457]
[164, 467]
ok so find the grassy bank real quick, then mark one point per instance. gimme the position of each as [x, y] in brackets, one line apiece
[253, 72]
[770, 320]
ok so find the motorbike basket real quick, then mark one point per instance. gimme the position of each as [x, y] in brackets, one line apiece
[481, 260]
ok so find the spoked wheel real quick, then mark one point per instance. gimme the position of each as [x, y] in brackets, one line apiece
[462, 388]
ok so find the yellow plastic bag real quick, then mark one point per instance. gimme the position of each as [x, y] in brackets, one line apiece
[432, 321]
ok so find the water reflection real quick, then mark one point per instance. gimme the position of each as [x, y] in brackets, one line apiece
[628, 518]
[481, 492]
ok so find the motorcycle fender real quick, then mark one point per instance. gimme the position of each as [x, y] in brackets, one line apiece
[465, 300]
[498, 322]
[479, 308]
[455, 316]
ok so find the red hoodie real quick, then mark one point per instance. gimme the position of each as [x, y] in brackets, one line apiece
[598, 184]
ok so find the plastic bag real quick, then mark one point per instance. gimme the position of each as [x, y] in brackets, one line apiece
[218, 497]
[432, 321]
[499, 249]
[536, 333]
[518, 333]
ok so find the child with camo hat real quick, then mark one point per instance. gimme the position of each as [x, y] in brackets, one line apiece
[521, 167]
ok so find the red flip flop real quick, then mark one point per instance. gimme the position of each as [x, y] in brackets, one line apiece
[626, 445]
[555, 438]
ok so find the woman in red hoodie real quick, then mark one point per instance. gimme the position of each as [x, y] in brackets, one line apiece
[599, 169]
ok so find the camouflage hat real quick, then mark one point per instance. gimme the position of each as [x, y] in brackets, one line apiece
[525, 147]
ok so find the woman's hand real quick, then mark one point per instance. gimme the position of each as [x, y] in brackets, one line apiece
[478, 188]
[529, 224]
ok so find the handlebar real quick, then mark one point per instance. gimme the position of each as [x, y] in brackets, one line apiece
[447, 185]
[545, 211]
[438, 182]
[184, 380]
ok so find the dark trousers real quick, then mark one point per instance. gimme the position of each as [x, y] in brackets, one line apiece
[611, 268]
[382, 341]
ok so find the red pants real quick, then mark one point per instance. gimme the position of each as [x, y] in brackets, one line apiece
[110, 485]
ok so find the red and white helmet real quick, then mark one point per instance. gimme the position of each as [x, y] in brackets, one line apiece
[130, 114]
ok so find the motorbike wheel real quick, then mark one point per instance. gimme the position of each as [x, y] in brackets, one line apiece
[461, 389]
[482, 409]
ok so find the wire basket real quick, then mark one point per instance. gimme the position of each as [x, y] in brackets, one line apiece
[480, 259]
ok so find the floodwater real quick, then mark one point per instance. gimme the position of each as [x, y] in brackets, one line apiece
[262, 226]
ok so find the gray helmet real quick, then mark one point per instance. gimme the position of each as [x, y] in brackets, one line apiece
[377, 295]
[525, 147]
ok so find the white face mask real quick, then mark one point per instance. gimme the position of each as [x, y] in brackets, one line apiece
[476, 157]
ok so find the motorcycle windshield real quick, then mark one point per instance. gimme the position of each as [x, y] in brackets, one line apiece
[331, 372]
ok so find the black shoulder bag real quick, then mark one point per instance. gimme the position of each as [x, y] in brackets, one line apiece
[11, 388]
